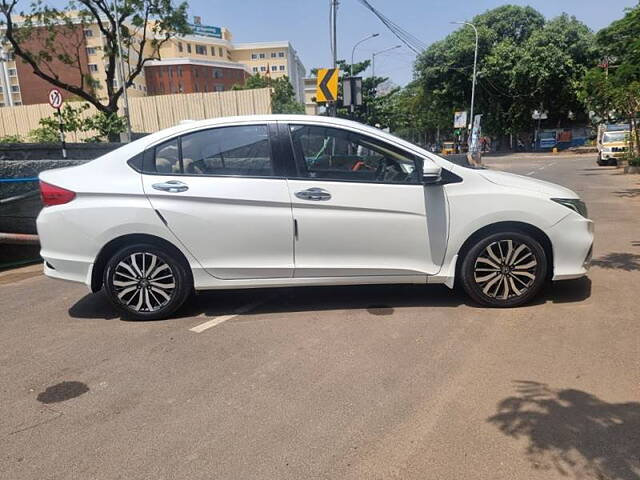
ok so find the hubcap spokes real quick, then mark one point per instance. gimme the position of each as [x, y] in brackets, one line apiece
[143, 282]
[505, 269]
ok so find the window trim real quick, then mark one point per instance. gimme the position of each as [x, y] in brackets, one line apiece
[418, 160]
[150, 152]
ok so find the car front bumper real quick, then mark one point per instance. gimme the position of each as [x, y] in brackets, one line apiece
[572, 243]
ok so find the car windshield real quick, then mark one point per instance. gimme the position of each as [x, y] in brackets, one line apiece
[614, 137]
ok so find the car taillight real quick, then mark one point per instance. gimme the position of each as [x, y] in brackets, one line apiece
[52, 195]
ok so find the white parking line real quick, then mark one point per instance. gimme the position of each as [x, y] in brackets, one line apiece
[223, 318]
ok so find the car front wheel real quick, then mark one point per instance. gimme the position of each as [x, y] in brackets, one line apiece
[504, 269]
[146, 283]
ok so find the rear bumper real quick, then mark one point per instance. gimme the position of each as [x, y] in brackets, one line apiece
[572, 241]
[70, 270]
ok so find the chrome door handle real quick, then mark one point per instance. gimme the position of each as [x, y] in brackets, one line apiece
[172, 186]
[313, 194]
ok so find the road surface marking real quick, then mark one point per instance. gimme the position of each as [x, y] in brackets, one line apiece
[531, 172]
[223, 318]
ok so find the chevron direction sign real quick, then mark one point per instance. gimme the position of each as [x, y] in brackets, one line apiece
[327, 86]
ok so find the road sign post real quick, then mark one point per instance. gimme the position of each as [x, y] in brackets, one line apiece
[327, 86]
[55, 100]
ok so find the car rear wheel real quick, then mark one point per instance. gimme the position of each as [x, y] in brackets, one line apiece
[504, 269]
[147, 283]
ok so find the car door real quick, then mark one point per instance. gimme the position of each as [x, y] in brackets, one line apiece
[221, 193]
[358, 204]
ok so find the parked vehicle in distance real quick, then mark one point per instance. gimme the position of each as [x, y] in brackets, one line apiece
[288, 200]
[448, 148]
[612, 145]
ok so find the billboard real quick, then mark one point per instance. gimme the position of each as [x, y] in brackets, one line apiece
[205, 30]
[460, 120]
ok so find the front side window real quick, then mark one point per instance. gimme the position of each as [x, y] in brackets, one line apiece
[326, 153]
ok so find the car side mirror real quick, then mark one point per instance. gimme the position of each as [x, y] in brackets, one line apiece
[431, 173]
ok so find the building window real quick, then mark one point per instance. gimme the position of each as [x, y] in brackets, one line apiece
[219, 87]
[15, 88]
[197, 88]
[220, 51]
[179, 71]
[12, 72]
[93, 67]
[217, 74]
[88, 32]
[274, 68]
[91, 50]
[263, 69]
[213, 51]
[188, 48]
[282, 67]
[170, 72]
[262, 55]
[180, 47]
[281, 54]
[197, 72]
[201, 50]
[273, 55]
[17, 104]
[180, 89]
[254, 56]
[1, 104]
[255, 69]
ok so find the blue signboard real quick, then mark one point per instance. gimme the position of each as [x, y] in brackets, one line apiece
[205, 30]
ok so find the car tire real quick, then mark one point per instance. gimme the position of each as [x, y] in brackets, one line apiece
[505, 269]
[146, 282]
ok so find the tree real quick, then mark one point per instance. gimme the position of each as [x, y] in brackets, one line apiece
[523, 60]
[46, 36]
[282, 93]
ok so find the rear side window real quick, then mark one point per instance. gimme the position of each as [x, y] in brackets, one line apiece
[167, 157]
[241, 150]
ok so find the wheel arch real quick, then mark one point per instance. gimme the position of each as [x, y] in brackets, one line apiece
[508, 226]
[116, 244]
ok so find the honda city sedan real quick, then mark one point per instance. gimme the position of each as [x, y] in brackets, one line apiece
[287, 200]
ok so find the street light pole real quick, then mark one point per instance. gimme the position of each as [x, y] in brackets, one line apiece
[475, 63]
[373, 59]
[353, 50]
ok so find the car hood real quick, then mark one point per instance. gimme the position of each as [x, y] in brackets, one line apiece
[527, 183]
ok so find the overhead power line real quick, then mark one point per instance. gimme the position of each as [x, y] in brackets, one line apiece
[413, 43]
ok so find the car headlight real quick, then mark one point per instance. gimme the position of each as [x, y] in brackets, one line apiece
[574, 204]
[607, 149]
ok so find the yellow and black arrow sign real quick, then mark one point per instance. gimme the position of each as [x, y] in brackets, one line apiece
[327, 86]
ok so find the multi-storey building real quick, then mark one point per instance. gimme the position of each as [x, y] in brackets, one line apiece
[204, 61]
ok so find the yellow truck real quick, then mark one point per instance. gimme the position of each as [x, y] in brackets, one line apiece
[612, 144]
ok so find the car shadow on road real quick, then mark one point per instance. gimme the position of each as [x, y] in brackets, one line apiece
[618, 261]
[573, 432]
[381, 300]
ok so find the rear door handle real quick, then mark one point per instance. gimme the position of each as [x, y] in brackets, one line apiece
[172, 186]
[315, 194]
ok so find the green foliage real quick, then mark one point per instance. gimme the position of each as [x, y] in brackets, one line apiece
[282, 93]
[48, 36]
[523, 61]
[102, 125]
[11, 139]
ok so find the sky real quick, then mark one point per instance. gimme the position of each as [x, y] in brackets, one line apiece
[305, 24]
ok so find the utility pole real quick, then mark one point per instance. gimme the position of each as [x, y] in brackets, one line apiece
[475, 63]
[373, 59]
[121, 79]
[333, 108]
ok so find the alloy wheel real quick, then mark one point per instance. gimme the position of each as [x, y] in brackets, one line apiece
[505, 269]
[143, 282]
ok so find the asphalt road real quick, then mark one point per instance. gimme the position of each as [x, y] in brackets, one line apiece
[401, 382]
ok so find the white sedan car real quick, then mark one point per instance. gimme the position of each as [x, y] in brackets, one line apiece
[286, 200]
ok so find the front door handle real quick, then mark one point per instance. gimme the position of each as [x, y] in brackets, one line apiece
[316, 194]
[172, 186]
